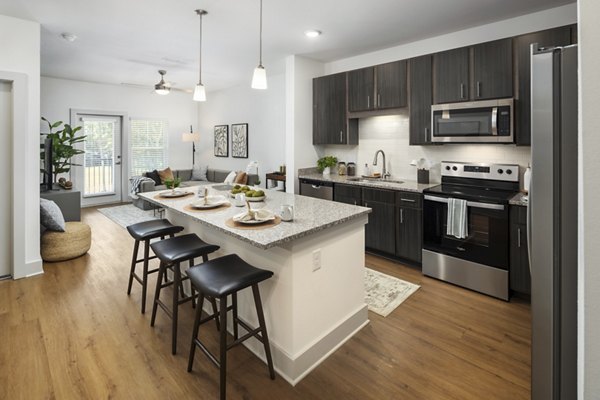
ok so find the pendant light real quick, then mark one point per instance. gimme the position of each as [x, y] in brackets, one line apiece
[259, 79]
[199, 91]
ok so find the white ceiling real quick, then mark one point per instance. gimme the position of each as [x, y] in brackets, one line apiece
[129, 40]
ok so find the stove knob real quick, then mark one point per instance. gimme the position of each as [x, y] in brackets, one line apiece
[509, 171]
[500, 171]
[447, 168]
[454, 168]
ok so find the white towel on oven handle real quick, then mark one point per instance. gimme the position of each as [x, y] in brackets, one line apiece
[457, 224]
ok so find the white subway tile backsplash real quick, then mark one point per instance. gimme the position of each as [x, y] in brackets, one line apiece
[391, 134]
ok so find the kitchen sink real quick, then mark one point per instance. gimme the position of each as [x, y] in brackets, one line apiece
[373, 180]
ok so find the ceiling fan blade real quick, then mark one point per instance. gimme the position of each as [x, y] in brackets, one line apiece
[189, 91]
[136, 85]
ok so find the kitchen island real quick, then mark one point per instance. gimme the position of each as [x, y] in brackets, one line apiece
[316, 298]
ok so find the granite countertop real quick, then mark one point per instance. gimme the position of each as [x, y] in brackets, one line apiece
[310, 215]
[407, 185]
[520, 199]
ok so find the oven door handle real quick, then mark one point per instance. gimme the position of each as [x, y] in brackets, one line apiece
[474, 204]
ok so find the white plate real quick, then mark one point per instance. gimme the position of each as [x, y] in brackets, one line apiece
[178, 193]
[251, 199]
[255, 222]
[213, 202]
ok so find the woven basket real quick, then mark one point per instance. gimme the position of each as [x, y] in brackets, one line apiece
[74, 242]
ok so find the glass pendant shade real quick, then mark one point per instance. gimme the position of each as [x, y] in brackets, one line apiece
[162, 91]
[259, 79]
[199, 93]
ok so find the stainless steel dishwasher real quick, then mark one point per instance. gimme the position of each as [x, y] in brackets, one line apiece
[317, 189]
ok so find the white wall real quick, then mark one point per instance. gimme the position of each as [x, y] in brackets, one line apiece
[263, 110]
[589, 199]
[6, 157]
[20, 44]
[58, 96]
[298, 98]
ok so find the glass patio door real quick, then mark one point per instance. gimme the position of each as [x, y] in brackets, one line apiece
[102, 159]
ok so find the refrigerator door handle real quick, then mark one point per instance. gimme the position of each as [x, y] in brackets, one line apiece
[529, 192]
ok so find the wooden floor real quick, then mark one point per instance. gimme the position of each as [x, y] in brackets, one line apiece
[73, 333]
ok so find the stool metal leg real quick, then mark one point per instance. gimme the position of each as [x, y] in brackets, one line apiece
[235, 315]
[263, 327]
[223, 346]
[192, 287]
[145, 273]
[195, 332]
[136, 247]
[213, 301]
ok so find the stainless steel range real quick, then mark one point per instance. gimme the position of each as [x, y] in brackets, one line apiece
[477, 196]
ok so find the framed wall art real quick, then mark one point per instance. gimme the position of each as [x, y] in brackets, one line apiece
[239, 140]
[221, 141]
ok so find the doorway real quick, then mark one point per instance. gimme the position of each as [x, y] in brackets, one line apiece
[6, 237]
[99, 177]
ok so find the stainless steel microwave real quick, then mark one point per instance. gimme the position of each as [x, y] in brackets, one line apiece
[489, 121]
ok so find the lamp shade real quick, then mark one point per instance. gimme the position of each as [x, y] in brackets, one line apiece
[190, 137]
[199, 93]
[259, 79]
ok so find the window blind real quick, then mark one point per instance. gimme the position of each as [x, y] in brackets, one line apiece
[148, 145]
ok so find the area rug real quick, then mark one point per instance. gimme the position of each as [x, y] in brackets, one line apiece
[128, 214]
[385, 293]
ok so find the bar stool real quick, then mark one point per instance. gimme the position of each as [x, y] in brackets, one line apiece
[220, 278]
[146, 231]
[171, 253]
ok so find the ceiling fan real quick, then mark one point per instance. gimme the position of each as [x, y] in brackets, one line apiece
[162, 87]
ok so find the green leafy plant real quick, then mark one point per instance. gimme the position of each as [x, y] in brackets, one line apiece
[327, 161]
[172, 183]
[63, 146]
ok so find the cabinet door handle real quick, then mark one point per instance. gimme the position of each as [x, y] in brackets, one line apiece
[408, 200]
[478, 89]
[519, 237]
[401, 216]
[462, 90]
[368, 101]
[366, 204]
[341, 136]
[378, 100]
[354, 202]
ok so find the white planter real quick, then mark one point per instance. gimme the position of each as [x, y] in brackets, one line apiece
[327, 171]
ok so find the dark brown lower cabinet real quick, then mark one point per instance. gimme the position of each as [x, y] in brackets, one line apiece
[520, 278]
[409, 233]
[380, 232]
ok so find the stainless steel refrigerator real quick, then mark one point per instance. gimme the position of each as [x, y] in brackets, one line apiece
[552, 223]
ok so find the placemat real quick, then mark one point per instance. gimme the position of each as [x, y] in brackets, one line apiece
[160, 197]
[220, 208]
[236, 225]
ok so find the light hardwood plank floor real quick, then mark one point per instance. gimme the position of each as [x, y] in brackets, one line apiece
[73, 333]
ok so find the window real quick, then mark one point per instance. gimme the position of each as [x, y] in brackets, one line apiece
[148, 145]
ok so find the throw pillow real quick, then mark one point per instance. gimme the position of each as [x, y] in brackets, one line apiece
[230, 178]
[166, 175]
[241, 178]
[199, 173]
[154, 176]
[50, 216]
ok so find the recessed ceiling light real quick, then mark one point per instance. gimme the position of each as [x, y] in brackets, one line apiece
[312, 33]
[69, 37]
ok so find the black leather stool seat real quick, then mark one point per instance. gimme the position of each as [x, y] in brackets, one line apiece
[181, 248]
[153, 229]
[225, 275]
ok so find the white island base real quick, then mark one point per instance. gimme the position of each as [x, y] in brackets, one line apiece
[314, 302]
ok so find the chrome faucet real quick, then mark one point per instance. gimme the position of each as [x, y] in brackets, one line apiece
[384, 173]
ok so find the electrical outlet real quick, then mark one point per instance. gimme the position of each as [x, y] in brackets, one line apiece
[316, 256]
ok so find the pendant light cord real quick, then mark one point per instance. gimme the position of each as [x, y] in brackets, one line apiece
[260, 34]
[200, 52]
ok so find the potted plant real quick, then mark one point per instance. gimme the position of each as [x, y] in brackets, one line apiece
[63, 146]
[172, 183]
[324, 164]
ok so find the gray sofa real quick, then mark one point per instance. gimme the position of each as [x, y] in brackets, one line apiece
[213, 175]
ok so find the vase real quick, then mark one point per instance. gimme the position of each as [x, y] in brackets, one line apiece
[327, 171]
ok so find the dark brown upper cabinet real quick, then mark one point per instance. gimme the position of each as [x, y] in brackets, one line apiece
[552, 37]
[361, 89]
[330, 121]
[377, 88]
[451, 76]
[492, 70]
[420, 100]
[480, 72]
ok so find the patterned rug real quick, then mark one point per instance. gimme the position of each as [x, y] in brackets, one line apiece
[385, 293]
[128, 214]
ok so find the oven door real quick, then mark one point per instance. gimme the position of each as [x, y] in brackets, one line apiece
[487, 242]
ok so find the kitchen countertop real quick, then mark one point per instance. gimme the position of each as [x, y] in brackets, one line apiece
[407, 185]
[519, 200]
[310, 215]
